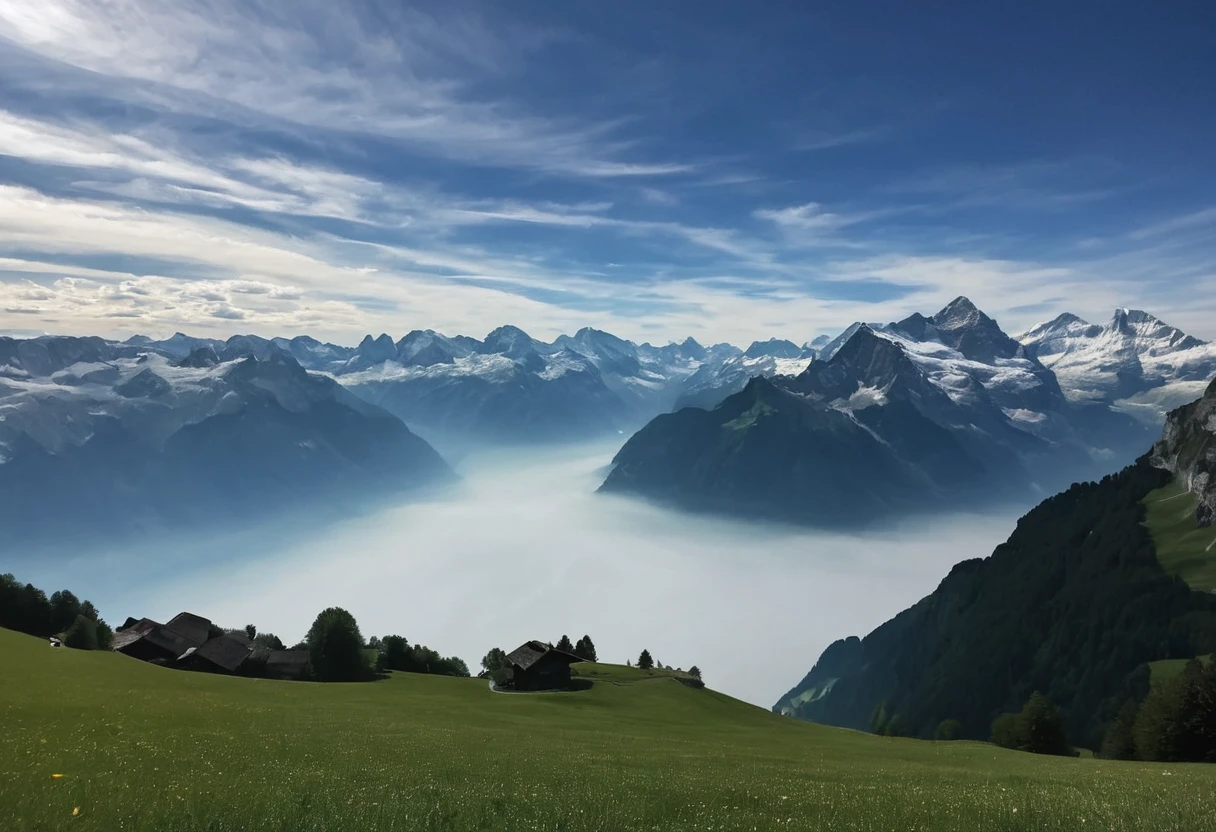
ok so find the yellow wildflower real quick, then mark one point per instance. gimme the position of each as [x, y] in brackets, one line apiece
[76, 812]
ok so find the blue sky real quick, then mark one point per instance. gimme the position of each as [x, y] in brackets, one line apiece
[724, 170]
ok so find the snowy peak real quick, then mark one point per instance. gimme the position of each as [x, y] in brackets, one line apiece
[773, 348]
[510, 341]
[1146, 329]
[1048, 337]
[1136, 362]
[963, 326]
[959, 313]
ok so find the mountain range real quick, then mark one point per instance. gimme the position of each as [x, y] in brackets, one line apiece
[880, 420]
[1108, 591]
[103, 441]
[926, 412]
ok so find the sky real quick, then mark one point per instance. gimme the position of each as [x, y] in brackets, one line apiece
[722, 170]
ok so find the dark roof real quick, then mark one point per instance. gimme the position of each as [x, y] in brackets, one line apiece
[296, 658]
[193, 628]
[132, 632]
[157, 635]
[225, 652]
[531, 652]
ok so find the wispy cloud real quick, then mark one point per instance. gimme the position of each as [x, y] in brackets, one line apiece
[289, 166]
[388, 71]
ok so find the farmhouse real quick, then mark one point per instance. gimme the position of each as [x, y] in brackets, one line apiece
[224, 654]
[539, 666]
[288, 664]
[152, 641]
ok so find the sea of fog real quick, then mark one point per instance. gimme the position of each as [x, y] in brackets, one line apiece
[526, 549]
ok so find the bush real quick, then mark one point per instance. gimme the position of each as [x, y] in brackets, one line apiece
[82, 635]
[335, 647]
[948, 730]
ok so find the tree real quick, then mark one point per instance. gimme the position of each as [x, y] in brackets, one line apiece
[268, 641]
[1177, 721]
[585, 649]
[251, 632]
[494, 661]
[879, 718]
[564, 644]
[1043, 727]
[695, 672]
[1007, 731]
[64, 608]
[1120, 740]
[948, 730]
[1037, 728]
[395, 653]
[645, 662]
[82, 635]
[335, 647]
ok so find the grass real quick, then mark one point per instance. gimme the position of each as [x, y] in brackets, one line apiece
[621, 674]
[144, 748]
[1160, 671]
[1183, 548]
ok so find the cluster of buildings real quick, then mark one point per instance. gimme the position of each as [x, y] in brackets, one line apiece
[191, 642]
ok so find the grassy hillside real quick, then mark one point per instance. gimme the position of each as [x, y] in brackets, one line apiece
[1169, 668]
[620, 674]
[1183, 548]
[143, 748]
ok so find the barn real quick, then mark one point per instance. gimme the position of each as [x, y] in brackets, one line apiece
[539, 666]
[223, 654]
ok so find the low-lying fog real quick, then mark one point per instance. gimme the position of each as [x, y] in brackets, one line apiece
[527, 550]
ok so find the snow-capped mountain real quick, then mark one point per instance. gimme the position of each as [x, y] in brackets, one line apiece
[512, 388]
[948, 405]
[1135, 363]
[121, 439]
[713, 382]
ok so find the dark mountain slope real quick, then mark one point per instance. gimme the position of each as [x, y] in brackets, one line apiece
[771, 453]
[1071, 605]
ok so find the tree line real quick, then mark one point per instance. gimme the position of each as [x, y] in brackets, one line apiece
[27, 609]
[1175, 723]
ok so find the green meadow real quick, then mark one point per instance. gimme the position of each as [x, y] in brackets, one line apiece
[98, 741]
[1183, 548]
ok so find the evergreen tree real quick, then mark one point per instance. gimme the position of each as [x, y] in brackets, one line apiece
[251, 632]
[645, 662]
[335, 647]
[695, 672]
[585, 649]
[64, 608]
[564, 644]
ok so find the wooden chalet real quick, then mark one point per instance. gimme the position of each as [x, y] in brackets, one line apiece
[223, 654]
[289, 664]
[539, 666]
